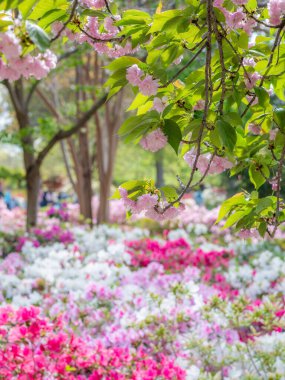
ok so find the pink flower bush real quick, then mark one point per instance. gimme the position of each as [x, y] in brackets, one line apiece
[34, 347]
[175, 255]
[154, 140]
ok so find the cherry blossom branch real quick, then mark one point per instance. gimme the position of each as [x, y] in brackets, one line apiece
[219, 38]
[111, 13]
[73, 9]
[63, 134]
[278, 193]
[260, 21]
[240, 58]
[275, 45]
[208, 96]
[94, 39]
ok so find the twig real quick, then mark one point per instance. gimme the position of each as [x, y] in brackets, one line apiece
[94, 39]
[208, 96]
[252, 361]
[276, 43]
[74, 6]
[260, 21]
[184, 67]
[222, 62]
[278, 193]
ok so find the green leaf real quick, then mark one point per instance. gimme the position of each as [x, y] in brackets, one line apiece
[262, 228]
[139, 123]
[257, 177]
[279, 117]
[169, 192]
[94, 13]
[227, 134]
[227, 205]
[26, 7]
[243, 40]
[235, 217]
[173, 133]
[38, 36]
[263, 96]
[123, 62]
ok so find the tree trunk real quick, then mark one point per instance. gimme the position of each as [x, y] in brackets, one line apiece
[159, 169]
[33, 180]
[103, 214]
[107, 141]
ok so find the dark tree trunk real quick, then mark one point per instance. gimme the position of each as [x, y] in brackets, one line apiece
[103, 214]
[159, 169]
[86, 177]
[32, 169]
[107, 141]
[33, 181]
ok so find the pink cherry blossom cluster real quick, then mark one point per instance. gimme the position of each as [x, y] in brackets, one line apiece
[159, 104]
[150, 206]
[15, 65]
[237, 19]
[35, 347]
[251, 79]
[97, 39]
[154, 141]
[147, 86]
[96, 4]
[254, 129]
[217, 166]
[276, 9]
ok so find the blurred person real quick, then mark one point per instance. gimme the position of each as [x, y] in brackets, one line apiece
[198, 195]
[8, 199]
[1, 190]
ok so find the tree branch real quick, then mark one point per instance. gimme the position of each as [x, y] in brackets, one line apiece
[62, 134]
[73, 9]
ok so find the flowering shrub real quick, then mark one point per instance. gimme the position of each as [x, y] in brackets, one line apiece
[175, 255]
[174, 305]
[35, 347]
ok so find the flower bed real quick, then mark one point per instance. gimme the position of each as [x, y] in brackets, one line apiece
[113, 303]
